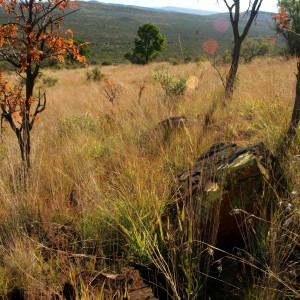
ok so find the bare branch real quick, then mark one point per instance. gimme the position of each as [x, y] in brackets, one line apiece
[49, 9]
[254, 12]
[8, 117]
[41, 106]
[221, 76]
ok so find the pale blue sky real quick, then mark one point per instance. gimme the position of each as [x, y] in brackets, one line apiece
[268, 5]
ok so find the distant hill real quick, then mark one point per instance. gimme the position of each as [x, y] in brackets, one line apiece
[111, 29]
[187, 10]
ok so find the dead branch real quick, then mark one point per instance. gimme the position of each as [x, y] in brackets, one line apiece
[221, 76]
[41, 106]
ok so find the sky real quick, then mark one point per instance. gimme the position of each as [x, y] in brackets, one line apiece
[268, 5]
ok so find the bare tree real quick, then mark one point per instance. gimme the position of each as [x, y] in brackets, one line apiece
[285, 21]
[234, 12]
[296, 111]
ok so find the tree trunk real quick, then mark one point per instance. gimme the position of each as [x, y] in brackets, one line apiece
[233, 70]
[20, 141]
[23, 136]
[296, 111]
[24, 140]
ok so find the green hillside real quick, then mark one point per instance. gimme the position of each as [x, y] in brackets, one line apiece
[111, 29]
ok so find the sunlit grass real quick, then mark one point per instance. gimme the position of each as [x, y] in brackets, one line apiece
[107, 171]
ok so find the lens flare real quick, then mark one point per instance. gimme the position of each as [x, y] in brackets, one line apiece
[192, 82]
[210, 46]
[221, 24]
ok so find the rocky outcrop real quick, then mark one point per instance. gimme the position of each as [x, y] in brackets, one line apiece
[128, 284]
[170, 126]
[226, 184]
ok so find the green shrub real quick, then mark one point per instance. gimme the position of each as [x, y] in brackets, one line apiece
[253, 48]
[200, 58]
[6, 66]
[188, 59]
[106, 63]
[77, 124]
[223, 59]
[174, 61]
[49, 81]
[171, 84]
[94, 74]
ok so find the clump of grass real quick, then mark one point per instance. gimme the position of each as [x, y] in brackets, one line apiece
[273, 258]
[76, 124]
[24, 269]
[4, 282]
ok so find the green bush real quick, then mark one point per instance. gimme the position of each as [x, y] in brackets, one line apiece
[174, 61]
[106, 63]
[171, 84]
[254, 48]
[223, 59]
[188, 59]
[200, 58]
[94, 74]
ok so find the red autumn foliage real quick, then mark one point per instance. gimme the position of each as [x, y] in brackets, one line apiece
[33, 35]
[281, 19]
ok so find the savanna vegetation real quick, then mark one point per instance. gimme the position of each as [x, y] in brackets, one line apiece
[102, 172]
[111, 30]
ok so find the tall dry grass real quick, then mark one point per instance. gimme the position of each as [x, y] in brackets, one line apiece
[102, 173]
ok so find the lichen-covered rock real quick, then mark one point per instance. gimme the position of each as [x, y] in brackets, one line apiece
[225, 184]
[170, 126]
[174, 122]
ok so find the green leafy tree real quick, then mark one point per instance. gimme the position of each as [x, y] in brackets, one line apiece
[290, 14]
[254, 48]
[149, 44]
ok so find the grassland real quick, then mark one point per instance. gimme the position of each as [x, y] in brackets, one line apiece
[102, 173]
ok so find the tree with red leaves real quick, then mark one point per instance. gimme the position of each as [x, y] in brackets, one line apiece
[31, 36]
[288, 23]
[285, 22]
